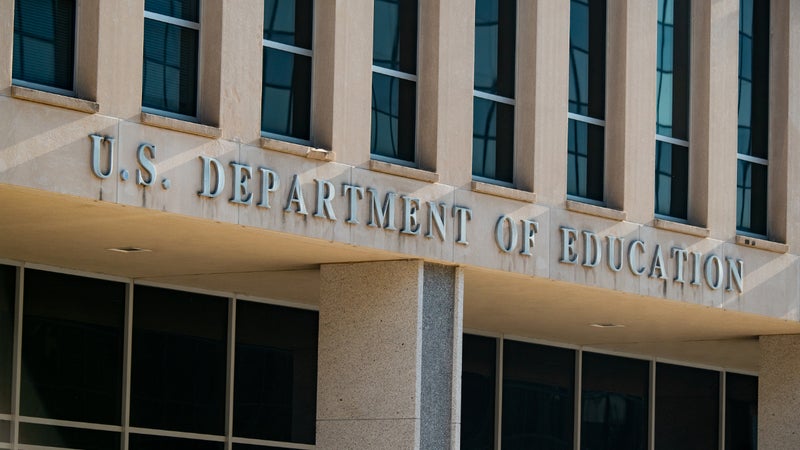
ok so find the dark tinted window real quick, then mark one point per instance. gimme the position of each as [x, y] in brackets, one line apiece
[44, 42]
[8, 276]
[687, 408]
[286, 94]
[393, 117]
[493, 140]
[587, 58]
[672, 69]
[179, 361]
[275, 390]
[170, 68]
[614, 403]
[66, 437]
[672, 179]
[72, 348]
[394, 35]
[741, 412]
[495, 49]
[478, 385]
[751, 197]
[179, 9]
[538, 397]
[145, 442]
[5, 431]
[585, 160]
[288, 22]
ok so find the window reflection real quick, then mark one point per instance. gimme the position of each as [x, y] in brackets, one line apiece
[8, 276]
[687, 408]
[478, 383]
[44, 42]
[288, 22]
[170, 68]
[286, 94]
[393, 117]
[741, 412]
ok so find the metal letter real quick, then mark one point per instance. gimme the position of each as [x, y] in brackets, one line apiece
[529, 230]
[568, 253]
[592, 255]
[709, 275]
[270, 182]
[96, 143]
[682, 255]
[464, 214]
[436, 217]
[410, 222]
[696, 268]
[241, 193]
[612, 253]
[296, 196]
[386, 213]
[658, 264]
[499, 237]
[146, 164]
[356, 193]
[632, 259]
[735, 270]
[325, 193]
[207, 163]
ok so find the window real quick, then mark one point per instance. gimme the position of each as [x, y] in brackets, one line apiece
[7, 289]
[44, 45]
[751, 179]
[478, 382]
[672, 109]
[286, 82]
[741, 412]
[687, 407]
[394, 81]
[171, 38]
[493, 104]
[587, 100]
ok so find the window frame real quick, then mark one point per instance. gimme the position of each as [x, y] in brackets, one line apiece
[43, 87]
[183, 24]
[295, 50]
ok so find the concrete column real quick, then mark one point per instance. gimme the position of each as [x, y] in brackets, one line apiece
[712, 139]
[779, 393]
[6, 44]
[631, 108]
[542, 96]
[342, 79]
[446, 80]
[389, 356]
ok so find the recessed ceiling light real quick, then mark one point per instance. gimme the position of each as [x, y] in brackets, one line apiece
[129, 250]
[607, 325]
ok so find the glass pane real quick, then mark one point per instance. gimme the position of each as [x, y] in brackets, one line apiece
[493, 140]
[67, 437]
[753, 77]
[72, 348]
[44, 42]
[145, 442]
[286, 94]
[393, 117]
[614, 403]
[672, 179]
[275, 391]
[180, 9]
[289, 22]
[478, 384]
[179, 361]
[5, 431]
[585, 160]
[8, 277]
[741, 412]
[170, 68]
[495, 38]
[394, 36]
[672, 69]
[255, 447]
[587, 58]
[538, 397]
[687, 408]
[751, 197]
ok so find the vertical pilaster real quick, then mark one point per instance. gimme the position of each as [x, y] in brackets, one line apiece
[779, 392]
[631, 108]
[6, 44]
[389, 356]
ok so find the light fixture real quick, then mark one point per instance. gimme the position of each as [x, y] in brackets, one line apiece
[129, 249]
[607, 325]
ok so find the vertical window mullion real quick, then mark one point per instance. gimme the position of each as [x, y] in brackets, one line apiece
[126, 365]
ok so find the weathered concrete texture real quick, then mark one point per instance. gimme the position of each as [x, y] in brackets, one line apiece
[389, 355]
[779, 393]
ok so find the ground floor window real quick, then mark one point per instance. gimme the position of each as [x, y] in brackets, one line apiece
[106, 364]
[521, 395]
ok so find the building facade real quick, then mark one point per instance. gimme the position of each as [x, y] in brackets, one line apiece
[346, 224]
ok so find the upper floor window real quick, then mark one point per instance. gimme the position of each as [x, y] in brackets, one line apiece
[286, 89]
[587, 100]
[672, 109]
[751, 179]
[493, 101]
[394, 80]
[44, 45]
[171, 38]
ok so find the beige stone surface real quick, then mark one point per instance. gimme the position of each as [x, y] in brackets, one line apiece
[6, 45]
[778, 393]
[396, 434]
